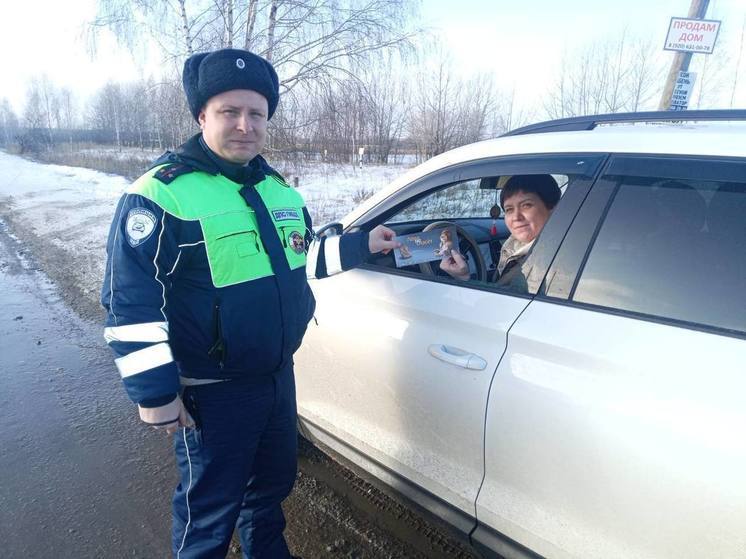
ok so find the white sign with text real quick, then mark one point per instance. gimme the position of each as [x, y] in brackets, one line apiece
[692, 35]
[682, 91]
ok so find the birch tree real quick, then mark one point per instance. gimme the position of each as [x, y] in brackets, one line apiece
[304, 39]
[604, 77]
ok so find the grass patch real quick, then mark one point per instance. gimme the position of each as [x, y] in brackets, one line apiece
[127, 164]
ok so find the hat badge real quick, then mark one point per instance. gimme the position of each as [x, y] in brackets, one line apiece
[240, 63]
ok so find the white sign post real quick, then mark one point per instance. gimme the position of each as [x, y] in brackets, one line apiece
[692, 35]
[682, 91]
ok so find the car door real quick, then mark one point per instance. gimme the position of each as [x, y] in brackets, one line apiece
[397, 365]
[616, 424]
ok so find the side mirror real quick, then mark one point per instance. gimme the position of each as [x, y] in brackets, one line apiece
[330, 230]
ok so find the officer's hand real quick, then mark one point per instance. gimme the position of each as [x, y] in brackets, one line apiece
[456, 266]
[381, 240]
[169, 418]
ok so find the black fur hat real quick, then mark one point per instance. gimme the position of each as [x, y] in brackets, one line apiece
[208, 73]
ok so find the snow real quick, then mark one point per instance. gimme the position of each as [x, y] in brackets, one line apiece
[71, 208]
[332, 191]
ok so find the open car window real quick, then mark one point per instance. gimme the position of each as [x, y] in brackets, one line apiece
[473, 206]
[463, 200]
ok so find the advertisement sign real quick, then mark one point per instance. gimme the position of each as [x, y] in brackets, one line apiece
[692, 35]
[682, 91]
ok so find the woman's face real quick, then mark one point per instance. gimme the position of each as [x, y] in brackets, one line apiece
[525, 215]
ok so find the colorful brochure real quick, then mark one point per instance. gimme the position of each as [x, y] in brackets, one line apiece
[425, 247]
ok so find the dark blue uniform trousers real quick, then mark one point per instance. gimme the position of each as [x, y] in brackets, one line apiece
[236, 467]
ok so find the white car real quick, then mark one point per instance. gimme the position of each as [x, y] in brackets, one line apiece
[599, 411]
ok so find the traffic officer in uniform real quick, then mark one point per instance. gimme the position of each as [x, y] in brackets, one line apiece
[207, 301]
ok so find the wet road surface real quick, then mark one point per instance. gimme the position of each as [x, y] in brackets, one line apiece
[78, 476]
[81, 477]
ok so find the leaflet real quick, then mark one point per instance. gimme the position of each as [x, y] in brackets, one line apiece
[425, 247]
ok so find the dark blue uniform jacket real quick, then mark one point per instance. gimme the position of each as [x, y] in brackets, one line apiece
[167, 319]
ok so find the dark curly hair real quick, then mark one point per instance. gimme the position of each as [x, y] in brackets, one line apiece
[544, 186]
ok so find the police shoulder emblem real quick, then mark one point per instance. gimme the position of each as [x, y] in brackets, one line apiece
[140, 225]
[297, 242]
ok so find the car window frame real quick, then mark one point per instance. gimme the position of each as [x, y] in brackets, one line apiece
[571, 258]
[551, 237]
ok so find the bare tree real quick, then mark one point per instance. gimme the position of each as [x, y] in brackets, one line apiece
[185, 30]
[8, 121]
[713, 73]
[271, 27]
[385, 102]
[250, 22]
[178, 29]
[315, 45]
[604, 77]
[447, 110]
[305, 39]
[228, 9]
[106, 111]
[33, 113]
[68, 113]
[42, 110]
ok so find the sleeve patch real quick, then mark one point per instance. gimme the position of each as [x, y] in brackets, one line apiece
[140, 226]
[168, 173]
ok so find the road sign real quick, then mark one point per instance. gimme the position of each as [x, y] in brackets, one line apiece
[692, 35]
[682, 91]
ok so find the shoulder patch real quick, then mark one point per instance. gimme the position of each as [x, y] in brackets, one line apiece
[168, 173]
[140, 225]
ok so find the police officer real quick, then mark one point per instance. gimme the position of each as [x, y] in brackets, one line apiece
[207, 301]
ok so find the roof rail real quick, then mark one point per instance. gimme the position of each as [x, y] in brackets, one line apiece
[590, 122]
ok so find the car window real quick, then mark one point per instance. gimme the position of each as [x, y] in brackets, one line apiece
[460, 200]
[467, 205]
[674, 249]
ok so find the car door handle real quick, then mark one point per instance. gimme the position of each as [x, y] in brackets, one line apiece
[456, 356]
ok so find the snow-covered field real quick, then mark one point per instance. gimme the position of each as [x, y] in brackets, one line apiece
[63, 213]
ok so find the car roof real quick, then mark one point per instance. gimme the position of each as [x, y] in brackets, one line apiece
[714, 139]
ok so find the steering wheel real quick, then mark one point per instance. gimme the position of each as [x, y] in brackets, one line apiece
[467, 246]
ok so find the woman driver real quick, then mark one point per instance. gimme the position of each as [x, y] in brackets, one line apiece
[527, 201]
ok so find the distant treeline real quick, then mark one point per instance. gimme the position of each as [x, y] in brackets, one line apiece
[354, 78]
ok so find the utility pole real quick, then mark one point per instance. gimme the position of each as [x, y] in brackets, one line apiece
[681, 60]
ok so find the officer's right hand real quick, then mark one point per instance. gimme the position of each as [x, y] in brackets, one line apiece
[169, 417]
[381, 239]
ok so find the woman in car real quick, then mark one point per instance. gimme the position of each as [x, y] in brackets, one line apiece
[527, 202]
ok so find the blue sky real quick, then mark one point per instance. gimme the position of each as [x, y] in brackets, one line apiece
[520, 43]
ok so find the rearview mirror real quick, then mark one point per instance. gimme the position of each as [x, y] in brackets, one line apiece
[492, 183]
